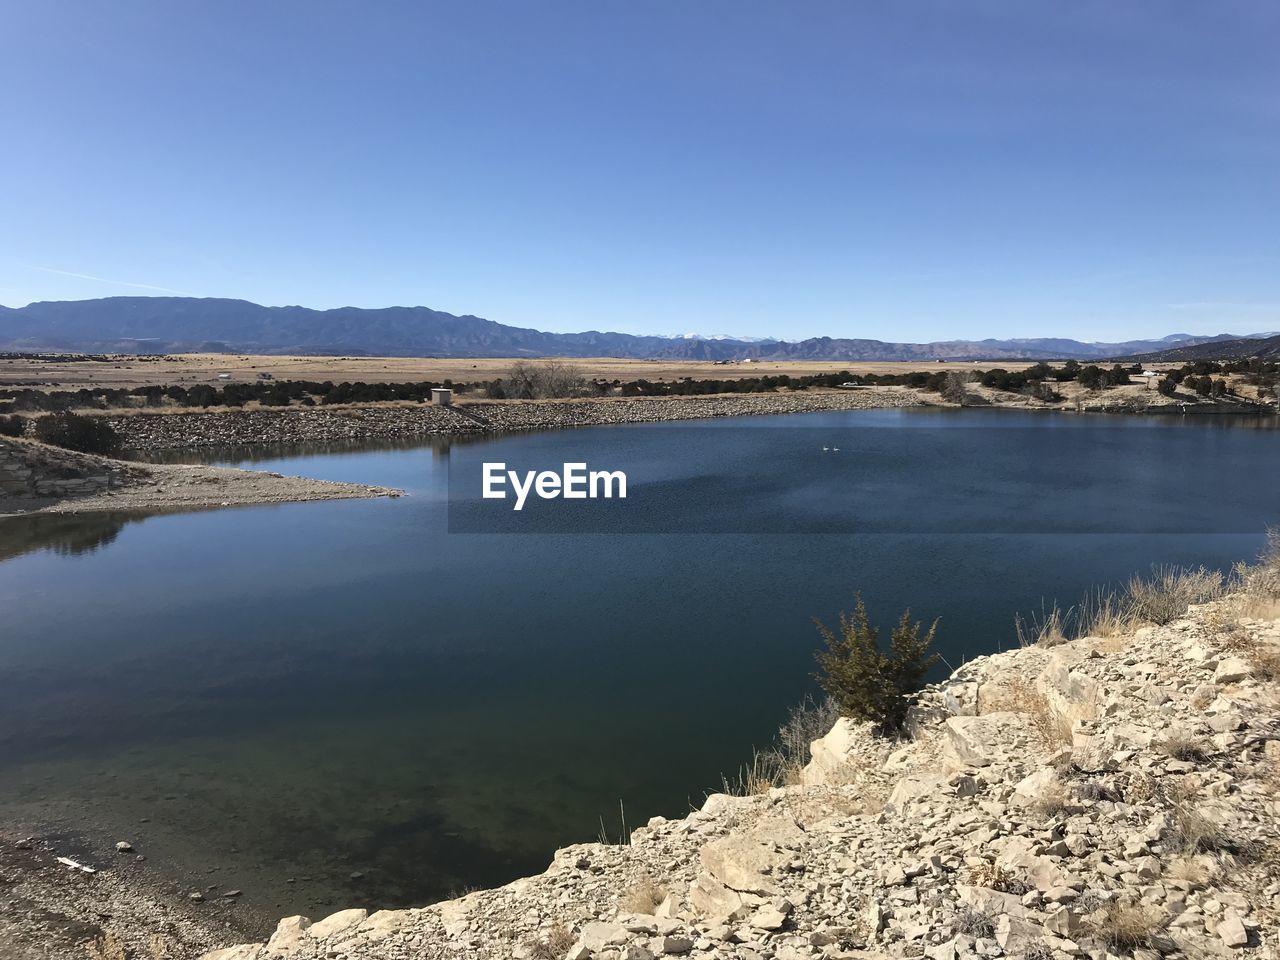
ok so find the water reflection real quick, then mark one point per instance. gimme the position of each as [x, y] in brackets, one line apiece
[65, 534]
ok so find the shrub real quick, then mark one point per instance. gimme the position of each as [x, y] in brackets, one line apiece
[555, 944]
[1128, 926]
[1168, 593]
[11, 426]
[86, 434]
[995, 877]
[530, 381]
[867, 683]
[1092, 377]
[955, 387]
[1183, 746]
[974, 923]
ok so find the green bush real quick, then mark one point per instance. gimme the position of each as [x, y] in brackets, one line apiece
[11, 426]
[86, 434]
[866, 682]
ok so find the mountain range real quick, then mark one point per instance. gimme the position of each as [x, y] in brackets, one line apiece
[1261, 347]
[150, 325]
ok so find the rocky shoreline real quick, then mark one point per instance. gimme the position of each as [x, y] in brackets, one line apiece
[143, 432]
[37, 478]
[1108, 797]
[50, 911]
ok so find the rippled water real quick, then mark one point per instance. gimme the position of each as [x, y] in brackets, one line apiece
[349, 696]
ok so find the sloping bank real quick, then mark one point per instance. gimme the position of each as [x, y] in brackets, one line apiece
[35, 477]
[169, 431]
[1105, 797]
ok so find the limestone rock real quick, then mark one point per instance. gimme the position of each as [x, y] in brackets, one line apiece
[337, 923]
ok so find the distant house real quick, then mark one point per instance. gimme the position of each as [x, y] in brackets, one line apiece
[266, 376]
[224, 376]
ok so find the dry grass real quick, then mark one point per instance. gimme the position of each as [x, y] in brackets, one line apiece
[1255, 596]
[1190, 872]
[1264, 658]
[1048, 628]
[1141, 788]
[1157, 599]
[1203, 696]
[1102, 614]
[780, 763]
[204, 368]
[974, 923]
[995, 877]
[1053, 799]
[642, 897]
[1022, 696]
[1183, 746]
[555, 944]
[1128, 926]
[1194, 832]
[1168, 592]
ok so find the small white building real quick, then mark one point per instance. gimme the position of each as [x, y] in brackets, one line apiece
[441, 396]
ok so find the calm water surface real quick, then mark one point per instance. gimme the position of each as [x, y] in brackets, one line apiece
[350, 697]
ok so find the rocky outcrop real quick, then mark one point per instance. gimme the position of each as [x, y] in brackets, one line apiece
[1105, 798]
[30, 471]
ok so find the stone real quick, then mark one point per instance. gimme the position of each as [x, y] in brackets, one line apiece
[768, 918]
[124, 846]
[671, 906]
[1232, 931]
[676, 946]
[991, 902]
[337, 923]
[1015, 936]
[914, 787]
[1232, 670]
[245, 951]
[714, 900]
[979, 741]
[1070, 694]
[1064, 922]
[382, 924]
[1032, 787]
[751, 861]
[290, 936]
[596, 935]
[836, 757]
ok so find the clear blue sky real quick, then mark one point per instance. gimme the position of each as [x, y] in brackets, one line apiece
[904, 171]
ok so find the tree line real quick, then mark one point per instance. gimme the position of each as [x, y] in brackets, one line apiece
[555, 379]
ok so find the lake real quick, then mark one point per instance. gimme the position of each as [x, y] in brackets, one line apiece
[384, 702]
